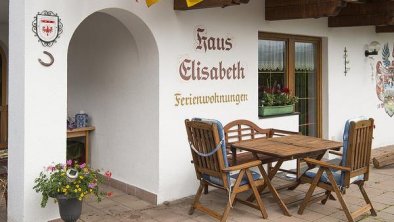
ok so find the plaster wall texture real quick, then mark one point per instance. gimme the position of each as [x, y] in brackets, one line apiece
[41, 97]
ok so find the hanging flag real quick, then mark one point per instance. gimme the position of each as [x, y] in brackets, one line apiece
[191, 3]
[151, 2]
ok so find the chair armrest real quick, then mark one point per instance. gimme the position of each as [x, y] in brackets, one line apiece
[338, 153]
[243, 166]
[325, 164]
[281, 132]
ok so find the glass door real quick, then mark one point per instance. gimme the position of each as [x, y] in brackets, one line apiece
[306, 81]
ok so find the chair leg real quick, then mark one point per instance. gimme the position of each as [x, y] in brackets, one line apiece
[228, 207]
[366, 198]
[310, 191]
[232, 196]
[206, 189]
[257, 195]
[328, 194]
[196, 198]
[339, 195]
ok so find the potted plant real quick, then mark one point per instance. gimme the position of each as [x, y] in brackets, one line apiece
[276, 101]
[69, 184]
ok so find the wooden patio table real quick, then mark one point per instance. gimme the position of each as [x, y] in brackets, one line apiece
[286, 148]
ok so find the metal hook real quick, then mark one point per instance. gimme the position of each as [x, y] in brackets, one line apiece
[47, 63]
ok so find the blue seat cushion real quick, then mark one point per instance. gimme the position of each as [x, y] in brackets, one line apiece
[336, 173]
[233, 178]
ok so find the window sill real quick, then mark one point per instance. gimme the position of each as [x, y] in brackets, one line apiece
[280, 115]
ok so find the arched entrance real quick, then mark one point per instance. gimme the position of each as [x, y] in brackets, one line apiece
[113, 76]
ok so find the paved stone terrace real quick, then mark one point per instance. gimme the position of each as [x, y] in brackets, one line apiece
[122, 207]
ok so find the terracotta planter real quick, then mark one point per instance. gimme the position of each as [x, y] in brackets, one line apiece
[275, 110]
[70, 209]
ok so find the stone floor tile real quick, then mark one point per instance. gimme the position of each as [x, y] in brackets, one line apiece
[379, 206]
[383, 216]
[127, 208]
[329, 219]
[389, 209]
[132, 202]
[309, 215]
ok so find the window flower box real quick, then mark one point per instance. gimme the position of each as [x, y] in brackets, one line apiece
[275, 110]
[276, 101]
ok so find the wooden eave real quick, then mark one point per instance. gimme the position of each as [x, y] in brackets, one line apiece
[377, 13]
[340, 13]
[299, 9]
[181, 4]
[383, 29]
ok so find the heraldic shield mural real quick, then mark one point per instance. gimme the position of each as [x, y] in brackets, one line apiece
[47, 27]
[385, 80]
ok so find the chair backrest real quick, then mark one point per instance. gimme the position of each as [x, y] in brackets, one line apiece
[205, 136]
[239, 130]
[357, 145]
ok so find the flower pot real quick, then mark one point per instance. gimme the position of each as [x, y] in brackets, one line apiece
[69, 208]
[275, 110]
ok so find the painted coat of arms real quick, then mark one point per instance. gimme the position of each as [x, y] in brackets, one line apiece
[47, 26]
[385, 80]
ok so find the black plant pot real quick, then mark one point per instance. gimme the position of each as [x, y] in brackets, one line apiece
[70, 209]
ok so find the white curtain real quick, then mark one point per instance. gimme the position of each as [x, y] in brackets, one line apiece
[305, 58]
[271, 55]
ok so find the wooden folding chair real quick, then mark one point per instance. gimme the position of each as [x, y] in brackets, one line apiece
[353, 169]
[208, 149]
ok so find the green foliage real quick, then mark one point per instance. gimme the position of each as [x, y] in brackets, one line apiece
[272, 97]
[54, 181]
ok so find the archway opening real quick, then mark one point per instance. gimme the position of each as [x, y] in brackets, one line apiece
[113, 77]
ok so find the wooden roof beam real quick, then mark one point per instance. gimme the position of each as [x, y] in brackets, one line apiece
[378, 13]
[299, 9]
[181, 4]
[384, 29]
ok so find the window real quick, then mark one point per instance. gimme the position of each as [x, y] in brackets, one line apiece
[293, 62]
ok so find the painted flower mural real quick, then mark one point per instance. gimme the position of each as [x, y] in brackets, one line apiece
[385, 80]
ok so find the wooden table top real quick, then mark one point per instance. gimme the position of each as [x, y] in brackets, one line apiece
[288, 147]
[89, 128]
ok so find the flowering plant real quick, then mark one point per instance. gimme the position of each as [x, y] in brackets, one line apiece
[72, 180]
[277, 97]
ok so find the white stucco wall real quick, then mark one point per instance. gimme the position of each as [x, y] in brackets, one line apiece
[108, 81]
[38, 95]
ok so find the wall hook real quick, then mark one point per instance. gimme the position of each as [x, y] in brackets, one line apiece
[47, 64]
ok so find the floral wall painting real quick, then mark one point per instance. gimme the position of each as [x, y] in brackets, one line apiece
[385, 80]
[47, 26]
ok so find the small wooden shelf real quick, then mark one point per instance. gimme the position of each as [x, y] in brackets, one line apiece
[82, 132]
